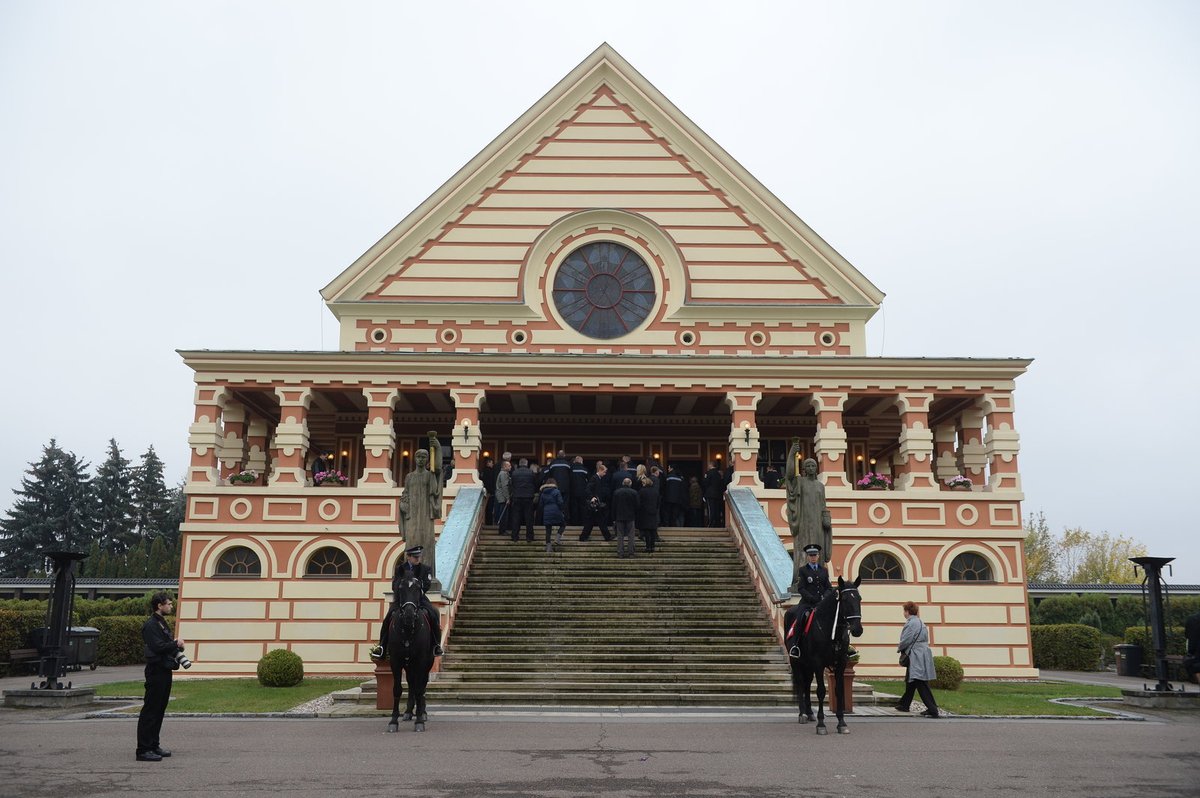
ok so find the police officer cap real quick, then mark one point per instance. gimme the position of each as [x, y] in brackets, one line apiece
[415, 551]
[812, 548]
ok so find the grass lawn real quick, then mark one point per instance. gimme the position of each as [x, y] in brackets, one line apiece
[1010, 698]
[233, 695]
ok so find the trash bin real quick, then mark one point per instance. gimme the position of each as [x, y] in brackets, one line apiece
[83, 643]
[1129, 659]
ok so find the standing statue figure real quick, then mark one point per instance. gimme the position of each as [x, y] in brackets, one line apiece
[421, 504]
[808, 517]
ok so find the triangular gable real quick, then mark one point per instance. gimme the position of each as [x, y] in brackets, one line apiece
[603, 138]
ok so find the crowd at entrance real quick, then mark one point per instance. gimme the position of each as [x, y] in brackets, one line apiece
[566, 491]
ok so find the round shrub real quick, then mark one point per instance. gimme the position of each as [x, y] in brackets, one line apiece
[280, 668]
[949, 673]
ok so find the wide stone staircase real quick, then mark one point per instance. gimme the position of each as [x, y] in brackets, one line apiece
[580, 627]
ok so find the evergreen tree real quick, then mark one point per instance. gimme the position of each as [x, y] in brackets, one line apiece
[89, 566]
[114, 499]
[151, 500]
[28, 531]
[158, 560]
[175, 515]
[74, 506]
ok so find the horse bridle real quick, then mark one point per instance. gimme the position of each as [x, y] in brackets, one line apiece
[837, 611]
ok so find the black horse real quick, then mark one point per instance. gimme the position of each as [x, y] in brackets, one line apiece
[410, 648]
[823, 645]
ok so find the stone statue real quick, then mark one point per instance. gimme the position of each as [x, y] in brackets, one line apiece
[807, 514]
[421, 504]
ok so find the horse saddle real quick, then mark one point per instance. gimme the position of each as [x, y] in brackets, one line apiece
[799, 629]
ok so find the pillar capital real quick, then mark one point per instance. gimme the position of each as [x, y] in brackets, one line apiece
[829, 401]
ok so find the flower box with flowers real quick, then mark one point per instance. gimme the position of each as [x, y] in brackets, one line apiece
[247, 477]
[958, 483]
[873, 481]
[330, 479]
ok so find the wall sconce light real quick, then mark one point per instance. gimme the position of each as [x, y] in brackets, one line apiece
[404, 453]
[717, 457]
[859, 458]
[747, 431]
[466, 429]
[345, 453]
[872, 461]
[487, 454]
[549, 455]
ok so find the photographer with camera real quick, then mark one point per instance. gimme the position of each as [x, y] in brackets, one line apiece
[164, 654]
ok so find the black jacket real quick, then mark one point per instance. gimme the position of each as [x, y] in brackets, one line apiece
[560, 469]
[813, 583]
[675, 491]
[647, 515]
[161, 647]
[524, 484]
[714, 484]
[579, 480]
[624, 504]
[421, 571]
[600, 487]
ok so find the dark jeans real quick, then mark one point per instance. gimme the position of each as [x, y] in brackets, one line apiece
[550, 531]
[579, 508]
[695, 516]
[522, 515]
[920, 686]
[716, 512]
[150, 719]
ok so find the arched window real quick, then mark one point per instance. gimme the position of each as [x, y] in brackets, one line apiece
[879, 566]
[328, 561]
[970, 567]
[239, 561]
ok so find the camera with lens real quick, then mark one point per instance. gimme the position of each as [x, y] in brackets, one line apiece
[182, 660]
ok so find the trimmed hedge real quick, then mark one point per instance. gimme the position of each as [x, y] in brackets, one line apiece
[1066, 647]
[280, 668]
[16, 626]
[1176, 642]
[949, 673]
[121, 639]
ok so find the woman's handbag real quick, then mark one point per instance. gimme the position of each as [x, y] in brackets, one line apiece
[904, 659]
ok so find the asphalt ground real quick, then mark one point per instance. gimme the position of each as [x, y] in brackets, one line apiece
[660, 754]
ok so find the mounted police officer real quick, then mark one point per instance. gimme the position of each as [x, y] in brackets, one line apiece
[412, 566]
[813, 581]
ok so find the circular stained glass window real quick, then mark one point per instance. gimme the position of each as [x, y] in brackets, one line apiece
[604, 290]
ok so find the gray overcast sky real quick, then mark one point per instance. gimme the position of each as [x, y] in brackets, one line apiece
[1019, 177]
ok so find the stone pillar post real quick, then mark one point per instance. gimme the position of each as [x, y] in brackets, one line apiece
[829, 444]
[466, 438]
[914, 458]
[743, 438]
[1002, 443]
[290, 445]
[233, 446]
[379, 437]
[946, 462]
[972, 457]
[256, 446]
[204, 436]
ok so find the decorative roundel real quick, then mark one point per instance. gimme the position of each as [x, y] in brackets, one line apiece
[604, 290]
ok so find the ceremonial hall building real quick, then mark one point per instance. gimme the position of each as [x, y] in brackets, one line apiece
[603, 279]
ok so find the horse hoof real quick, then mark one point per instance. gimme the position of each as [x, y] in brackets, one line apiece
[422, 718]
[419, 727]
[822, 730]
[393, 727]
[805, 719]
[407, 716]
[843, 729]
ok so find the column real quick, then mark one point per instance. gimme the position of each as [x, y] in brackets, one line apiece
[972, 457]
[914, 458]
[204, 436]
[233, 445]
[290, 445]
[256, 446]
[379, 437]
[466, 438]
[829, 444]
[945, 457]
[743, 439]
[1002, 443]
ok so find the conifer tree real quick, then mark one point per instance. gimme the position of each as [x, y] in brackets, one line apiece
[74, 505]
[114, 499]
[29, 529]
[151, 501]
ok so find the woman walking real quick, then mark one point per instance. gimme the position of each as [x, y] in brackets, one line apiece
[918, 660]
[550, 502]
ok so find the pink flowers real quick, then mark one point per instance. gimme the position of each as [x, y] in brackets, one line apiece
[958, 481]
[330, 478]
[873, 480]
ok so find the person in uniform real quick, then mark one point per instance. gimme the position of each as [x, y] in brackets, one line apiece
[412, 566]
[813, 581]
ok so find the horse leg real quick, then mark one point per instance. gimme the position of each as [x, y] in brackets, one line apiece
[839, 692]
[418, 688]
[820, 674]
[412, 697]
[397, 691]
[794, 666]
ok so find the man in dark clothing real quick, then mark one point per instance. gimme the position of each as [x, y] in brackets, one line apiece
[560, 469]
[161, 651]
[674, 498]
[714, 494]
[599, 495]
[487, 475]
[813, 581]
[579, 491]
[624, 514]
[771, 478]
[524, 486]
[624, 471]
[412, 566]
[1191, 631]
